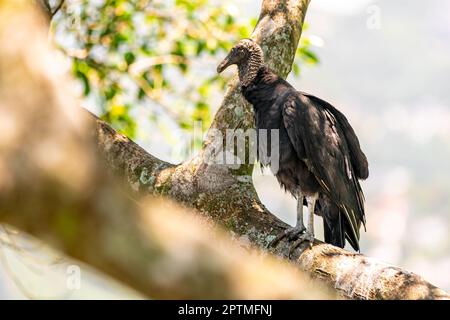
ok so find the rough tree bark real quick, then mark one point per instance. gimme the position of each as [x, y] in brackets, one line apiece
[221, 192]
[227, 195]
[239, 210]
[54, 185]
[114, 235]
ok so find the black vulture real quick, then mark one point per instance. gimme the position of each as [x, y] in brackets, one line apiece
[320, 159]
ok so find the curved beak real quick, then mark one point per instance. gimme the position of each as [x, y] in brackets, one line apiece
[224, 64]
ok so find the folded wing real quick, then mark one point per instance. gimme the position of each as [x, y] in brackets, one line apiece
[325, 141]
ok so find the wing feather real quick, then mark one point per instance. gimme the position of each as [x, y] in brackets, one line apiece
[358, 158]
[319, 140]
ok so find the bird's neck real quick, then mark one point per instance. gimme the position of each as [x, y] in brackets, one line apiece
[249, 69]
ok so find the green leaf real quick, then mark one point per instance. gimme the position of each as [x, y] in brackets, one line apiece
[129, 57]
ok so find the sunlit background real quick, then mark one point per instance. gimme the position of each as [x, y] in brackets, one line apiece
[386, 65]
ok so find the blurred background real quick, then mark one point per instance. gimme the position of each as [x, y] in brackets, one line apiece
[148, 68]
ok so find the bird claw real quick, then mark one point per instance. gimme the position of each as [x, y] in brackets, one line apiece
[289, 233]
[305, 237]
[298, 235]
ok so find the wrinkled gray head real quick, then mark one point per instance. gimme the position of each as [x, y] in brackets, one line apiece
[248, 56]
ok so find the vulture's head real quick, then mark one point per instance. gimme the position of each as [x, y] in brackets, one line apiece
[246, 53]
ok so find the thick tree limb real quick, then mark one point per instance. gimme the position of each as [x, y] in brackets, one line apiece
[119, 238]
[228, 196]
[358, 277]
[353, 275]
[221, 192]
[53, 185]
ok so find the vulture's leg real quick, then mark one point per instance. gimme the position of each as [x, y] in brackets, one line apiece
[311, 207]
[293, 233]
[308, 235]
[300, 224]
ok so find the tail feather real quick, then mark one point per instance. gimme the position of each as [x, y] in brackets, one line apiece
[334, 234]
[336, 227]
[354, 242]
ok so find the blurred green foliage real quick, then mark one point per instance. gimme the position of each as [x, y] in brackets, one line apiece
[129, 53]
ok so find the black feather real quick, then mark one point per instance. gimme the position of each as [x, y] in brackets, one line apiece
[358, 158]
[333, 223]
[319, 152]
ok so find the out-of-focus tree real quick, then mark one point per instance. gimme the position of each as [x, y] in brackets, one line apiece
[141, 53]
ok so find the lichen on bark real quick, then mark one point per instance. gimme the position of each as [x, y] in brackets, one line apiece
[227, 196]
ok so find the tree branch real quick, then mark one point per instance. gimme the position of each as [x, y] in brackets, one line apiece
[228, 196]
[278, 32]
[55, 187]
[238, 209]
[64, 181]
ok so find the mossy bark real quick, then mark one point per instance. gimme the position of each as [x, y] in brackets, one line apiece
[232, 202]
[55, 188]
[226, 195]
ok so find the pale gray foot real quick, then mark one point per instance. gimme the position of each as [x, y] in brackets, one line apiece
[306, 238]
[294, 233]
[290, 233]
